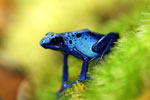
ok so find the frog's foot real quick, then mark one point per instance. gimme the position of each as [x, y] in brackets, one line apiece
[68, 85]
[80, 80]
[62, 89]
[58, 94]
[100, 58]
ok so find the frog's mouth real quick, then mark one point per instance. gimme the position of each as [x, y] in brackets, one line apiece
[54, 47]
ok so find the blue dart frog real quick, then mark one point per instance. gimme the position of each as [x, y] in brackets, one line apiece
[83, 44]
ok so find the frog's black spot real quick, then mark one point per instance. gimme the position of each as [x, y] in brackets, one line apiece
[79, 35]
[46, 34]
[85, 38]
[70, 41]
[73, 35]
[63, 34]
[52, 35]
[56, 41]
[92, 34]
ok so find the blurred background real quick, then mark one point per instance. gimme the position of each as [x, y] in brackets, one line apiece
[26, 69]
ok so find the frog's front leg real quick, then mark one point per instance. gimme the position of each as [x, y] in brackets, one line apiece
[84, 66]
[65, 73]
[104, 45]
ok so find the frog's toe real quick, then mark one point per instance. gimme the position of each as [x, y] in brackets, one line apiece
[100, 58]
[88, 78]
[58, 94]
[62, 89]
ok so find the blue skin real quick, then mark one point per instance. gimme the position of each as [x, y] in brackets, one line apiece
[83, 44]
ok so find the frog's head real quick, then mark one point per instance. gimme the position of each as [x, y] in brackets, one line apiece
[52, 41]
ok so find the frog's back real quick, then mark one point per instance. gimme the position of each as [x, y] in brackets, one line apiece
[83, 41]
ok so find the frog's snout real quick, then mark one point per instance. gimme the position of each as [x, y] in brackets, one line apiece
[44, 41]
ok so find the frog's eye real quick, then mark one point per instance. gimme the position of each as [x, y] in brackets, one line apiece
[57, 40]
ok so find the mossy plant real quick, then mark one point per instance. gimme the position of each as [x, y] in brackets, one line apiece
[74, 92]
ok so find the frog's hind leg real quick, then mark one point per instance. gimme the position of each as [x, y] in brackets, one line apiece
[104, 45]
